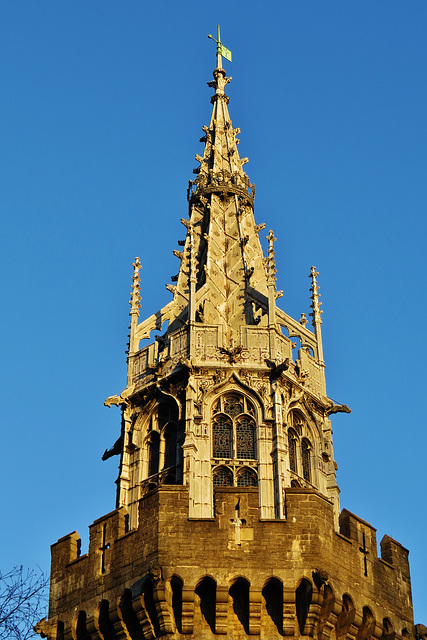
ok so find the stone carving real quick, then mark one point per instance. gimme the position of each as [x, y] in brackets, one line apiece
[420, 632]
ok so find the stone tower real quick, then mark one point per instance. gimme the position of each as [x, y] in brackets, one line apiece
[227, 520]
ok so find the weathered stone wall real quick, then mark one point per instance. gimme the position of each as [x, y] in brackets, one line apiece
[148, 582]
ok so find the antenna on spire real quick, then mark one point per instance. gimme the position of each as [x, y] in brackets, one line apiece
[220, 50]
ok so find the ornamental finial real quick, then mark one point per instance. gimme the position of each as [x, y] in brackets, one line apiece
[135, 301]
[316, 313]
[271, 260]
[219, 74]
[315, 295]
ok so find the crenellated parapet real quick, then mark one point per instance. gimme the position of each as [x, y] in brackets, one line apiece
[265, 579]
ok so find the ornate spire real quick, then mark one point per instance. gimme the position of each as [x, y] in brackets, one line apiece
[271, 260]
[316, 313]
[135, 304]
[135, 301]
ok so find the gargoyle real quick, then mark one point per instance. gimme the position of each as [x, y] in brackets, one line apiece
[277, 369]
[114, 450]
[320, 577]
[116, 400]
[337, 408]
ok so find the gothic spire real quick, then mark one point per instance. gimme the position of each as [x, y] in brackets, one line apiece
[316, 313]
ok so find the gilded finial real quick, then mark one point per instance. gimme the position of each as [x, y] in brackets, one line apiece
[135, 301]
[303, 320]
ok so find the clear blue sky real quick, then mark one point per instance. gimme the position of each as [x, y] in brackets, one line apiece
[102, 104]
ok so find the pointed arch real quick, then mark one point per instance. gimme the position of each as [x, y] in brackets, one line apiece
[153, 453]
[176, 586]
[127, 614]
[273, 597]
[81, 632]
[206, 592]
[223, 477]
[292, 446]
[247, 478]
[239, 593]
[303, 596]
[170, 438]
[306, 459]
[103, 622]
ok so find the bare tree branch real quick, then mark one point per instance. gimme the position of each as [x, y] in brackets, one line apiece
[23, 600]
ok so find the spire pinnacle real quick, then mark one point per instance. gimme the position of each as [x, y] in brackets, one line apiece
[135, 304]
[316, 313]
[135, 301]
[271, 260]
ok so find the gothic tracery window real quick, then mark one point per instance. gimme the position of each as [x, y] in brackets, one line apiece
[292, 445]
[162, 443]
[222, 435]
[299, 447]
[233, 428]
[305, 455]
[153, 453]
[222, 477]
[247, 478]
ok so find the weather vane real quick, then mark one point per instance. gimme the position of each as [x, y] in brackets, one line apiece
[220, 49]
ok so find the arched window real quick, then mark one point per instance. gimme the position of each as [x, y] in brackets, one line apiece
[292, 445]
[247, 478]
[170, 446]
[245, 428]
[153, 453]
[233, 428]
[222, 433]
[305, 455]
[222, 477]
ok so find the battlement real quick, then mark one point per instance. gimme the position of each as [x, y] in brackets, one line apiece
[277, 555]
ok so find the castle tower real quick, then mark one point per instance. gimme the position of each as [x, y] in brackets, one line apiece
[227, 520]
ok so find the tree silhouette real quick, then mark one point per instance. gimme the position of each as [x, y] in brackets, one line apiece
[23, 599]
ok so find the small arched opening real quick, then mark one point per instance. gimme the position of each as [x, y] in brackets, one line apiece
[206, 592]
[239, 593]
[303, 596]
[273, 597]
[176, 586]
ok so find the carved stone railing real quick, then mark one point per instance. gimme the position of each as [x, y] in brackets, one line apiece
[315, 380]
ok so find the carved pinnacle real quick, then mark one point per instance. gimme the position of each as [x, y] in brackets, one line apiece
[135, 295]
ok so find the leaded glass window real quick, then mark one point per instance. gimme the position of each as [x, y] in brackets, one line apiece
[247, 478]
[245, 438]
[305, 454]
[233, 405]
[223, 477]
[234, 433]
[222, 433]
[292, 444]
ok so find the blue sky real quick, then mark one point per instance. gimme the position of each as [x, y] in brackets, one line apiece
[102, 104]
